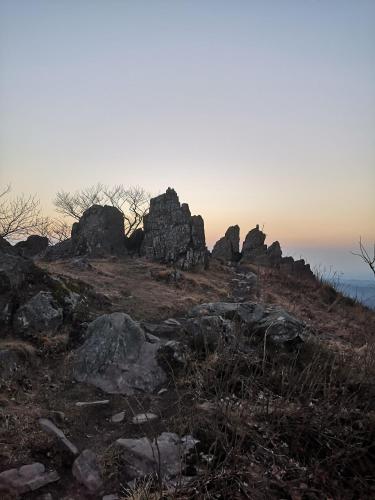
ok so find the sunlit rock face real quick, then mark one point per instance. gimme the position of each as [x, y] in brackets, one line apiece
[172, 234]
[228, 247]
[99, 232]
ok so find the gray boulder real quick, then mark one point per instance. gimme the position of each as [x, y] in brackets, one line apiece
[164, 456]
[27, 478]
[117, 357]
[39, 314]
[172, 235]
[99, 232]
[228, 247]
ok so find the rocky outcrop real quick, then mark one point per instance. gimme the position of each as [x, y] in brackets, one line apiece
[99, 232]
[255, 251]
[261, 322]
[117, 357]
[228, 247]
[253, 247]
[39, 314]
[172, 235]
[34, 245]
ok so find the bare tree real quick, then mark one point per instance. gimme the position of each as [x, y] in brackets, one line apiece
[365, 256]
[20, 216]
[133, 202]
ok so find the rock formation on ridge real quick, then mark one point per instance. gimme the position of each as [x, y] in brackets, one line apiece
[228, 247]
[172, 235]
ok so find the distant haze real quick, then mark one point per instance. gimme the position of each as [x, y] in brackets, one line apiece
[254, 111]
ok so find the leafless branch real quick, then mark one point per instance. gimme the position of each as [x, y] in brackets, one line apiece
[20, 216]
[133, 202]
[365, 256]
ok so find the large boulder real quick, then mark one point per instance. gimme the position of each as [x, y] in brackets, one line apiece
[172, 235]
[207, 333]
[40, 314]
[31, 247]
[99, 232]
[6, 247]
[117, 357]
[228, 247]
[61, 250]
[133, 242]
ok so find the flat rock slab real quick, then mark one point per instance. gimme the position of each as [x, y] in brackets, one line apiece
[50, 427]
[27, 478]
[164, 455]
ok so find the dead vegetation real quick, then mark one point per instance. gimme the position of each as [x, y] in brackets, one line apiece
[271, 424]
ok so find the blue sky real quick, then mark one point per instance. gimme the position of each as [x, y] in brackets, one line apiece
[255, 111]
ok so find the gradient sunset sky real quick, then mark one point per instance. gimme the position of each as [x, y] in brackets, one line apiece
[254, 111]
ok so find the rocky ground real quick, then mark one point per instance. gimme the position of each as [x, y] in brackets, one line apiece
[234, 382]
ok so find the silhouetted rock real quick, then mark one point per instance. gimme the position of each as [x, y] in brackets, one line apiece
[253, 246]
[61, 250]
[99, 232]
[274, 253]
[172, 234]
[117, 357]
[31, 247]
[228, 247]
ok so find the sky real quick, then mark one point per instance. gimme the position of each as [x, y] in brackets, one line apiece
[256, 112]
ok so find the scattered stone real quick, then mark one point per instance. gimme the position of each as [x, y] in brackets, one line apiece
[172, 235]
[81, 263]
[50, 427]
[111, 497]
[31, 247]
[143, 418]
[162, 391]
[99, 232]
[87, 471]
[39, 314]
[92, 403]
[228, 247]
[27, 478]
[164, 455]
[119, 417]
[117, 358]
